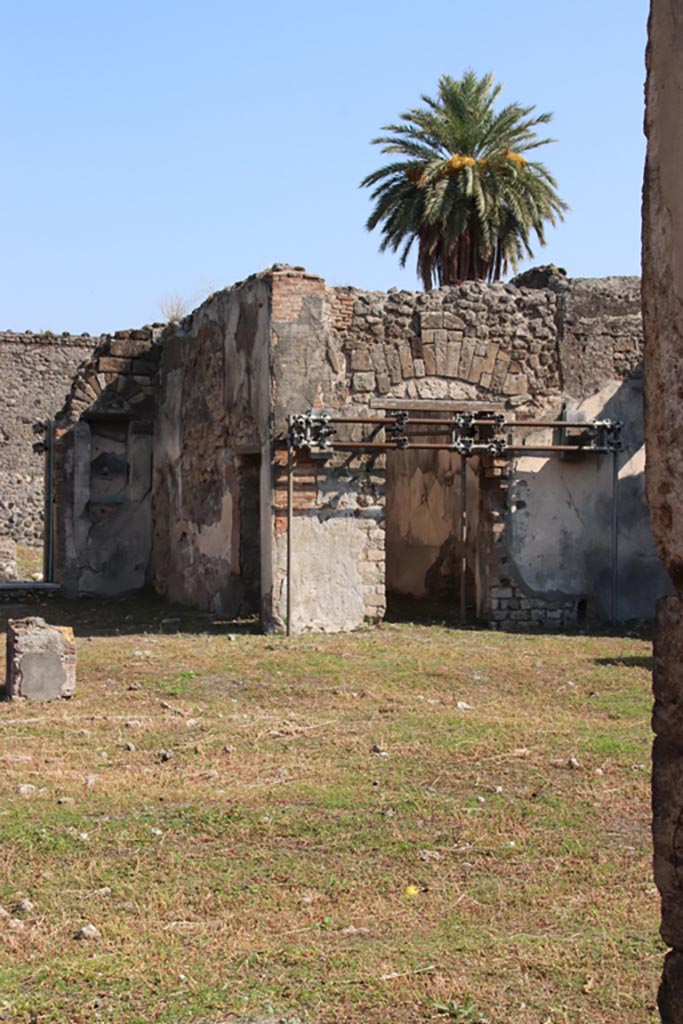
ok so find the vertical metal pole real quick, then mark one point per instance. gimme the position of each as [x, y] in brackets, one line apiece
[615, 536]
[290, 517]
[48, 540]
[463, 539]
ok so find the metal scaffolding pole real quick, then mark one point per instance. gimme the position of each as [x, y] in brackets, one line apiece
[463, 539]
[615, 535]
[290, 517]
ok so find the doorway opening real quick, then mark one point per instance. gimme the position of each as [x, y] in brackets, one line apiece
[432, 531]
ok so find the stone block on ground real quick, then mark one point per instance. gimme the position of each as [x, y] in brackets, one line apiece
[41, 660]
[8, 560]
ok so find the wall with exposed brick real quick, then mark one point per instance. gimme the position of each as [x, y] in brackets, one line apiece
[282, 342]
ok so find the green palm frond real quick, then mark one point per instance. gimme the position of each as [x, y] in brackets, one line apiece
[464, 191]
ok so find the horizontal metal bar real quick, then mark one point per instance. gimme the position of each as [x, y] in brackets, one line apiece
[475, 449]
[584, 449]
[575, 424]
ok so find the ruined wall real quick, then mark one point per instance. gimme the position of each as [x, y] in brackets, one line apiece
[529, 347]
[215, 533]
[104, 468]
[663, 372]
[36, 371]
[212, 438]
[337, 543]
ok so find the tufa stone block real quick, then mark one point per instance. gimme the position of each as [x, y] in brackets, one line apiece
[41, 660]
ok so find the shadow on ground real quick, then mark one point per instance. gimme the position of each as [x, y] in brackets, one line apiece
[120, 616]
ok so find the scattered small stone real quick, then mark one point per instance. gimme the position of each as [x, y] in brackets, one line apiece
[462, 705]
[191, 722]
[429, 855]
[130, 747]
[26, 789]
[15, 925]
[156, 832]
[498, 789]
[481, 799]
[91, 780]
[65, 800]
[164, 755]
[24, 907]
[573, 763]
[133, 686]
[376, 749]
[521, 752]
[133, 723]
[352, 930]
[599, 771]
[88, 933]
[104, 891]
[228, 749]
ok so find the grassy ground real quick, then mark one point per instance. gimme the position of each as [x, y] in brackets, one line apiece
[29, 561]
[400, 825]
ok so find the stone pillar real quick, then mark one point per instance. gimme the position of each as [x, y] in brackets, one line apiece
[41, 660]
[663, 379]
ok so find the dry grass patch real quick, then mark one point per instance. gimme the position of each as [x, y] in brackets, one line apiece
[403, 824]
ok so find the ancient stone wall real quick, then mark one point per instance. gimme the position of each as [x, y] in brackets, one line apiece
[215, 532]
[542, 347]
[212, 439]
[36, 371]
[102, 508]
[493, 341]
[663, 373]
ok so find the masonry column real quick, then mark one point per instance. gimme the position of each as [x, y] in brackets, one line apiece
[663, 365]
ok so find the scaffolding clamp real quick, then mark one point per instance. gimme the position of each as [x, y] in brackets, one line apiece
[313, 431]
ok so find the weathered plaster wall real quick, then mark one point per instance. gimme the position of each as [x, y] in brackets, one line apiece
[104, 468]
[663, 374]
[214, 417]
[559, 535]
[337, 570]
[36, 371]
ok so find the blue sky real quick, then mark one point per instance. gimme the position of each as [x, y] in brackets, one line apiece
[153, 148]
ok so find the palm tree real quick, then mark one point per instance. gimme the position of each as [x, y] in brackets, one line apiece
[462, 188]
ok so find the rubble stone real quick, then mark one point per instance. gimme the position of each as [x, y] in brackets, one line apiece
[41, 660]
